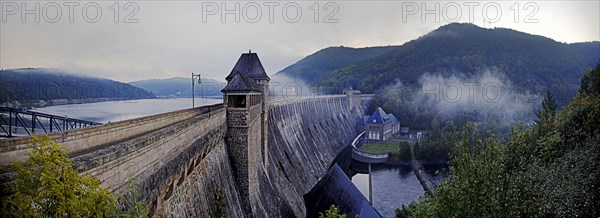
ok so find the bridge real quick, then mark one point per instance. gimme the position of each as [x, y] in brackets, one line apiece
[245, 157]
[17, 122]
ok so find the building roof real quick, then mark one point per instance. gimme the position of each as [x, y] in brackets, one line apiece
[241, 83]
[380, 117]
[393, 119]
[335, 188]
[250, 65]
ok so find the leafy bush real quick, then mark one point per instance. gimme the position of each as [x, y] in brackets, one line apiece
[48, 186]
[332, 212]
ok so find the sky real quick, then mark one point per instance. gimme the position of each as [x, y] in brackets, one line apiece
[137, 40]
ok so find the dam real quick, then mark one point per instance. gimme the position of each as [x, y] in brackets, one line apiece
[247, 157]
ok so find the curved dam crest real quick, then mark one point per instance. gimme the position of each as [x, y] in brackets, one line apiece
[181, 160]
[304, 138]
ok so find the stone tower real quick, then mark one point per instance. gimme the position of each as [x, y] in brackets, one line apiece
[246, 101]
[354, 100]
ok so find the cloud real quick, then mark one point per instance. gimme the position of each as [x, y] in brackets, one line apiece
[282, 87]
[170, 38]
[485, 95]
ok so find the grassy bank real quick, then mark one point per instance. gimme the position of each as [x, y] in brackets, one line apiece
[381, 147]
[398, 151]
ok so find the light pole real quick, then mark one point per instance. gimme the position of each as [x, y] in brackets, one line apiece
[193, 85]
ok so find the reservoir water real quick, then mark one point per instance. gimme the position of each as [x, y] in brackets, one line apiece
[112, 111]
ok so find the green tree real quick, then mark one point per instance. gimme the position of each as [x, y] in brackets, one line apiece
[555, 175]
[332, 212]
[404, 151]
[133, 201]
[436, 131]
[590, 82]
[48, 186]
[545, 115]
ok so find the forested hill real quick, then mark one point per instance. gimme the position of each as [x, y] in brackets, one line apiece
[50, 84]
[313, 68]
[529, 61]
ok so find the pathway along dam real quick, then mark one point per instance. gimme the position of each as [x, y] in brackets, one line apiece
[245, 157]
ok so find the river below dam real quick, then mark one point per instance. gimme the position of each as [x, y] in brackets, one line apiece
[393, 186]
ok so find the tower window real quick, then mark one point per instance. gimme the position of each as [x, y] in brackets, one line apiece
[238, 101]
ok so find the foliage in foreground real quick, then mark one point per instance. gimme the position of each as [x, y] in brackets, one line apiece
[332, 212]
[551, 170]
[133, 202]
[46, 185]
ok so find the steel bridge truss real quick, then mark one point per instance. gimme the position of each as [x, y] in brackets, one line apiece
[13, 120]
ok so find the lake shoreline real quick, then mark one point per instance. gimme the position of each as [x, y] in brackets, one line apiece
[36, 104]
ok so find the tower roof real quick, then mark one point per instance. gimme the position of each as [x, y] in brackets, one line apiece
[250, 65]
[241, 82]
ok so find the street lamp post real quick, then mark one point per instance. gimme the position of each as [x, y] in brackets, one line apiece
[193, 87]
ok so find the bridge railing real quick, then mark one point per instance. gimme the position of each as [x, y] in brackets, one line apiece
[13, 121]
[364, 156]
[370, 155]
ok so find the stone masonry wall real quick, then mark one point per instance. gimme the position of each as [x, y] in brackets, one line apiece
[208, 191]
[96, 137]
[254, 153]
[159, 159]
[185, 169]
[237, 147]
[243, 144]
[304, 138]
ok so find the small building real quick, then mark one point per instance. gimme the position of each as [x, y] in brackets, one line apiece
[350, 91]
[355, 100]
[380, 125]
[404, 130]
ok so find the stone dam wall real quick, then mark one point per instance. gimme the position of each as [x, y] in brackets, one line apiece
[88, 139]
[157, 152]
[181, 162]
[304, 138]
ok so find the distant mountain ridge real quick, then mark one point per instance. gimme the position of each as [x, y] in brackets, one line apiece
[34, 84]
[528, 61]
[180, 87]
